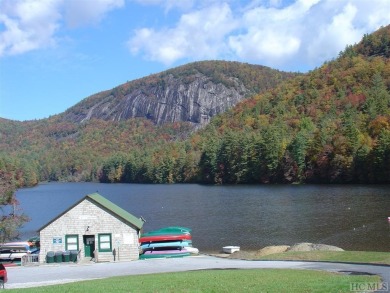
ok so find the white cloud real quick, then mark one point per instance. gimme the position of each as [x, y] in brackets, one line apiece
[169, 4]
[199, 35]
[78, 12]
[32, 24]
[287, 35]
[28, 25]
[271, 34]
[334, 35]
[334, 24]
[184, 5]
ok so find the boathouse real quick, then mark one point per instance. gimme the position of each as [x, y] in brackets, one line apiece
[95, 228]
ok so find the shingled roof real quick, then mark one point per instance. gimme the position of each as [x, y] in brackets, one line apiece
[104, 203]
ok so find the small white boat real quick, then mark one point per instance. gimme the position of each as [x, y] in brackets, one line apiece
[230, 249]
[192, 250]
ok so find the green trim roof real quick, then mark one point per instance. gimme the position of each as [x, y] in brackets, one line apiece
[116, 209]
[101, 201]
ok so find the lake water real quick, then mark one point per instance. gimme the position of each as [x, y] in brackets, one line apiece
[353, 217]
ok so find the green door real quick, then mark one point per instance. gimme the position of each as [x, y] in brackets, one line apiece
[89, 245]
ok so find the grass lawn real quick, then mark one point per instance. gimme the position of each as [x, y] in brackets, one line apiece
[337, 256]
[254, 280]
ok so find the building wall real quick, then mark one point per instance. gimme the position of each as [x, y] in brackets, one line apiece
[88, 219]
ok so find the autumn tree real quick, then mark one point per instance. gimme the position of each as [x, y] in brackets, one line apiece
[10, 220]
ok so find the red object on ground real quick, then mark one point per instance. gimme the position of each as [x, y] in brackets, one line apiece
[158, 238]
[3, 273]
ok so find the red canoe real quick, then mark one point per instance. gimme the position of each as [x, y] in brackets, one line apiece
[169, 237]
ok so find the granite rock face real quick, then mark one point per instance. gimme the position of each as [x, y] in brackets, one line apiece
[172, 101]
[192, 93]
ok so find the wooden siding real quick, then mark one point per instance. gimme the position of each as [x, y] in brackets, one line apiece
[100, 221]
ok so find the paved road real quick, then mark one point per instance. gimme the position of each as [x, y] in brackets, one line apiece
[22, 277]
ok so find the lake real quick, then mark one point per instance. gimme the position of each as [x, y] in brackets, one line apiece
[353, 217]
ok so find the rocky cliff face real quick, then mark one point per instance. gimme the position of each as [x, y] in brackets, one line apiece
[189, 93]
[174, 101]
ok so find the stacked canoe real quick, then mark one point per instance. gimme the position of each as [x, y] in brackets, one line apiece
[166, 242]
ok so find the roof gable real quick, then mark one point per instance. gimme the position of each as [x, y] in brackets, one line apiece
[102, 202]
[121, 213]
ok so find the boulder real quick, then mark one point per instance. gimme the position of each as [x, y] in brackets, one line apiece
[272, 250]
[314, 247]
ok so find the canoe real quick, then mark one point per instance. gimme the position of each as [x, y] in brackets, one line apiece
[164, 254]
[230, 249]
[166, 237]
[154, 245]
[175, 229]
[16, 250]
[20, 244]
[192, 250]
[168, 230]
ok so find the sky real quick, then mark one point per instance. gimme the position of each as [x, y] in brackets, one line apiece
[55, 53]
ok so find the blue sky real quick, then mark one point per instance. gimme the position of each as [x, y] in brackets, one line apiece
[54, 53]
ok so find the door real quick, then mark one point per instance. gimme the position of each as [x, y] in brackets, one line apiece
[89, 245]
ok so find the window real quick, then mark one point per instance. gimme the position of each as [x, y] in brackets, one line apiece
[71, 242]
[105, 242]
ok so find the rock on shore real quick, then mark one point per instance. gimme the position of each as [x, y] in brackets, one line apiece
[283, 248]
[271, 250]
[314, 247]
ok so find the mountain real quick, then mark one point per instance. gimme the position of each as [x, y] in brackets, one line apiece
[331, 125]
[194, 93]
[165, 106]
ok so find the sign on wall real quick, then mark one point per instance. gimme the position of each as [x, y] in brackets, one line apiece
[57, 240]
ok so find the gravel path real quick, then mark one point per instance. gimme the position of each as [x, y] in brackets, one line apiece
[23, 277]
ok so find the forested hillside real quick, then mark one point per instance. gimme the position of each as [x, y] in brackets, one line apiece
[330, 125]
[46, 150]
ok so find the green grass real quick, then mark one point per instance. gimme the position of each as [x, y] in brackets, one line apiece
[337, 256]
[254, 280]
